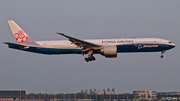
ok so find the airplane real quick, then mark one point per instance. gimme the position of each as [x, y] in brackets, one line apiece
[106, 47]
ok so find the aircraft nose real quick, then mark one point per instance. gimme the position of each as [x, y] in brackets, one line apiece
[173, 45]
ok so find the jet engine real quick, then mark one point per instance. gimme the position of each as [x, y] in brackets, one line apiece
[109, 51]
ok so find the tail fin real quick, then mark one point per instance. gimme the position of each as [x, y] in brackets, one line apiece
[20, 35]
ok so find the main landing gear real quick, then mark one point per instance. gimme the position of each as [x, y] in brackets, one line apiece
[162, 52]
[90, 58]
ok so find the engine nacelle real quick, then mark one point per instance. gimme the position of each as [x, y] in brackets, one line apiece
[109, 51]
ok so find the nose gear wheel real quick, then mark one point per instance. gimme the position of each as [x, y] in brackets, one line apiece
[162, 52]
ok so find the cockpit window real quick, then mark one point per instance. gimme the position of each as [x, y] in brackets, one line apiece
[170, 42]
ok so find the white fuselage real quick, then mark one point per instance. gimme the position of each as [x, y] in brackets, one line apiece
[106, 42]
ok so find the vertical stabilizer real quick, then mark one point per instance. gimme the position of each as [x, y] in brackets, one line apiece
[20, 35]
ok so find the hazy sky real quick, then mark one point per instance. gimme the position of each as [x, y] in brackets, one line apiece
[89, 19]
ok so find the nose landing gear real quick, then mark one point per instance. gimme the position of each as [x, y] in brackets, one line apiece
[161, 56]
[162, 52]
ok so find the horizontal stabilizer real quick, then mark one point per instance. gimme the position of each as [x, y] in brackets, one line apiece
[18, 45]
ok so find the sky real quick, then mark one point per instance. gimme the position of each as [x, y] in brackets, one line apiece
[90, 19]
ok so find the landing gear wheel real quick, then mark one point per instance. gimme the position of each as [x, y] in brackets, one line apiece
[90, 58]
[162, 52]
[93, 58]
[162, 56]
[86, 59]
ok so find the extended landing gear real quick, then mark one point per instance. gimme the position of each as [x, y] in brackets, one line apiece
[90, 58]
[162, 52]
[161, 56]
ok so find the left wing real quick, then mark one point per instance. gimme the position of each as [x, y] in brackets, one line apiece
[81, 43]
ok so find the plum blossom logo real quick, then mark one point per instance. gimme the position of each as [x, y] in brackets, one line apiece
[21, 36]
